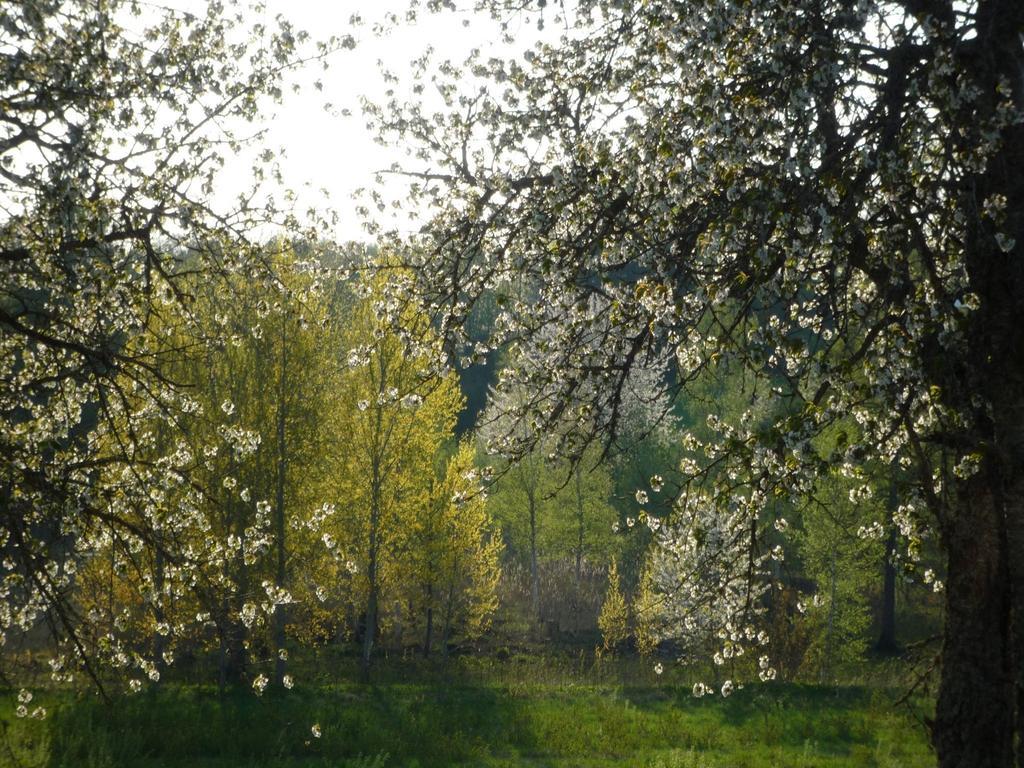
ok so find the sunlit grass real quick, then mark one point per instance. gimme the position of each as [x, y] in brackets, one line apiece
[476, 722]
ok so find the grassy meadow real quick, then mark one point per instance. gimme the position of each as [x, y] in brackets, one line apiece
[513, 713]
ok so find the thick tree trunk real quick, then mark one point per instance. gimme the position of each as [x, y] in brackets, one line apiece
[1015, 547]
[978, 717]
[887, 643]
[974, 718]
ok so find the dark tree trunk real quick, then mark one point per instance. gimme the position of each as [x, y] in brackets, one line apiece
[1015, 545]
[977, 714]
[447, 631]
[887, 635]
[534, 565]
[428, 638]
[887, 643]
[975, 710]
[159, 638]
[231, 657]
[370, 630]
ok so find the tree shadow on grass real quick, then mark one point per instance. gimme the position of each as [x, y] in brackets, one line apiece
[434, 726]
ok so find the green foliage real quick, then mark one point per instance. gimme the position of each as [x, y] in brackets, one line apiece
[579, 519]
[260, 375]
[115, 123]
[826, 196]
[614, 618]
[557, 520]
[453, 554]
[647, 629]
[397, 415]
[483, 722]
[846, 571]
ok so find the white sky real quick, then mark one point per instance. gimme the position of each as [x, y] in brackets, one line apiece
[338, 153]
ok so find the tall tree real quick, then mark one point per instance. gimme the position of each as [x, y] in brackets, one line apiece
[614, 618]
[110, 140]
[830, 194]
[553, 512]
[401, 408]
[454, 554]
[244, 515]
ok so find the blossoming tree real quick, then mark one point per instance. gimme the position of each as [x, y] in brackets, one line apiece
[114, 122]
[829, 194]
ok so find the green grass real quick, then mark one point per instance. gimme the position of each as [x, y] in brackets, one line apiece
[479, 723]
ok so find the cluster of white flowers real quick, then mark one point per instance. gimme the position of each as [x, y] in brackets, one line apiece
[22, 710]
[259, 683]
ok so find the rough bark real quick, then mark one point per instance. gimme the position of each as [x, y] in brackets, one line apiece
[1015, 545]
[975, 710]
[978, 719]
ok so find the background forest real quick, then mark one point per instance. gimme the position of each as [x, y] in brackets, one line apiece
[350, 498]
[352, 515]
[347, 498]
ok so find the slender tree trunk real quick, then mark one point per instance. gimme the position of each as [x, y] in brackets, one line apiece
[369, 635]
[580, 532]
[231, 652]
[234, 655]
[370, 630]
[826, 663]
[534, 566]
[379, 378]
[887, 635]
[279, 527]
[222, 659]
[159, 580]
[428, 638]
[159, 639]
[448, 613]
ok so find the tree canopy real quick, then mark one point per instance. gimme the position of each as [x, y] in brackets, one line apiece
[115, 120]
[829, 195]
